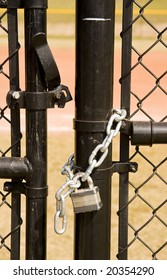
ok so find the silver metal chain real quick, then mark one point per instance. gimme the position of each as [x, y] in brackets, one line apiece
[73, 181]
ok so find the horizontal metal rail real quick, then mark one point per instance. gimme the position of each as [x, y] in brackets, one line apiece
[14, 167]
[149, 133]
[145, 133]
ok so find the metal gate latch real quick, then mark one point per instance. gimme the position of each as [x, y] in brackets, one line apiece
[55, 94]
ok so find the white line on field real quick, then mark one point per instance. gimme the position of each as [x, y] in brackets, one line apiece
[97, 19]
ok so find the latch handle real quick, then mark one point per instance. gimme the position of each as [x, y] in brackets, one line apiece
[47, 60]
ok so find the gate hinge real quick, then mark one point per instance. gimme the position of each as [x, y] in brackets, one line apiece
[23, 188]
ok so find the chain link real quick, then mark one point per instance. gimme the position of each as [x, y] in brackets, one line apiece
[73, 181]
[118, 116]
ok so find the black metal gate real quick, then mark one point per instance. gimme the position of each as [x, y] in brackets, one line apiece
[142, 195]
[42, 91]
[10, 201]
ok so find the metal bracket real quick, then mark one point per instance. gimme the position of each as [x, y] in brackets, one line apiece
[3, 3]
[124, 167]
[126, 127]
[116, 167]
[39, 100]
[89, 126]
[57, 93]
[23, 188]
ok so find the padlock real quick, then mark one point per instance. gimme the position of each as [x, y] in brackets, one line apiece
[86, 200]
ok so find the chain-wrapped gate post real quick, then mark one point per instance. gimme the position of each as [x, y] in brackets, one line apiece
[94, 86]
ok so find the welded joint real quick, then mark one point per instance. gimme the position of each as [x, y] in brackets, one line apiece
[19, 169]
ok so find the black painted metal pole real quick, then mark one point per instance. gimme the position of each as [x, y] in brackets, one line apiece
[124, 139]
[15, 127]
[94, 86]
[36, 132]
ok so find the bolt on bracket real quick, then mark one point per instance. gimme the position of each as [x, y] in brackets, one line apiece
[39, 100]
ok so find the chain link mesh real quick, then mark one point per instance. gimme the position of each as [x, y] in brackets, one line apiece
[5, 203]
[147, 204]
[5, 145]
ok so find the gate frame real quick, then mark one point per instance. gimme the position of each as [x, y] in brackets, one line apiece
[43, 91]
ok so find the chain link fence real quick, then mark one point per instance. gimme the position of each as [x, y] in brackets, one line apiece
[5, 204]
[146, 202]
[10, 135]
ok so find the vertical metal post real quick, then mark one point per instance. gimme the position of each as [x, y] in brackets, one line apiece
[15, 127]
[124, 139]
[94, 87]
[36, 132]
